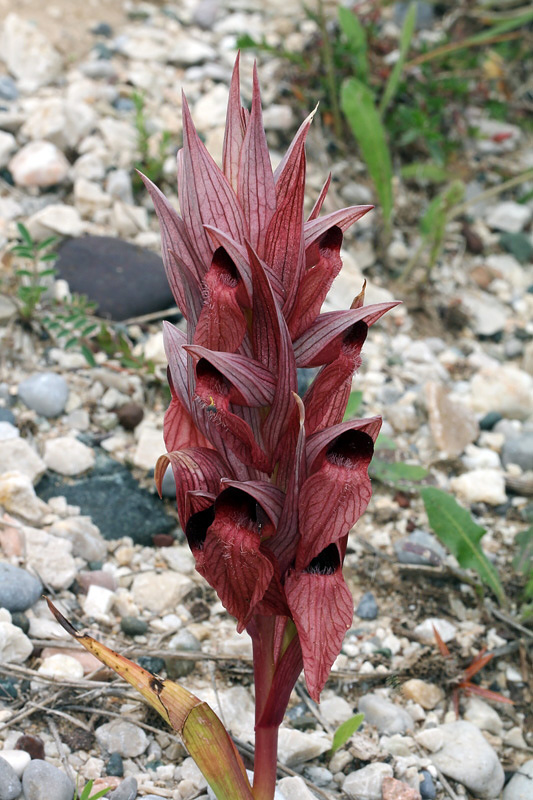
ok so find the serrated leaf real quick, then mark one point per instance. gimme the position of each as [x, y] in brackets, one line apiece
[405, 40]
[354, 403]
[455, 527]
[345, 731]
[358, 105]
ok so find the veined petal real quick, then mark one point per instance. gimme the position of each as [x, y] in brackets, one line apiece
[221, 324]
[179, 430]
[322, 609]
[322, 342]
[235, 129]
[316, 282]
[315, 211]
[318, 443]
[174, 341]
[343, 219]
[269, 497]
[255, 189]
[252, 384]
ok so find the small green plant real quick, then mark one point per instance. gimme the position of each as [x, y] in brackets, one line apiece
[523, 564]
[345, 731]
[72, 323]
[149, 164]
[32, 276]
[86, 792]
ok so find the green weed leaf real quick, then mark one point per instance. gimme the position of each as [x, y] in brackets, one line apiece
[396, 473]
[356, 36]
[455, 527]
[345, 731]
[405, 42]
[354, 403]
[25, 234]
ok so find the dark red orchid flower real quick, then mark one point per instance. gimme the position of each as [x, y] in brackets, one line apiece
[268, 484]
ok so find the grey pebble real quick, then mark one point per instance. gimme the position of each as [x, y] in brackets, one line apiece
[18, 589]
[519, 450]
[427, 787]
[367, 608]
[8, 88]
[10, 786]
[42, 781]
[7, 416]
[126, 791]
[45, 392]
[388, 717]
[419, 547]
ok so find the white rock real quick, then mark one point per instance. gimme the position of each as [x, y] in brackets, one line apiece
[8, 309]
[186, 51]
[61, 667]
[90, 166]
[335, 710]
[86, 539]
[98, 601]
[480, 458]
[17, 454]
[68, 456]
[365, 783]
[15, 646]
[17, 759]
[388, 717]
[118, 185]
[89, 197]
[8, 431]
[515, 738]
[488, 314]
[480, 486]
[520, 787]
[27, 53]
[50, 558]
[278, 117]
[39, 163]
[150, 446]
[158, 592]
[55, 218]
[122, 737]
[505, 389]
[8, 145]
[210, 109]
[58, 121]
[128, 220]
[121, 138]
[509, 216]
[483, 716]
[481, 772]
[294, 789]
[153, 348]
[297, 747]
[424, 631]
[18, 497]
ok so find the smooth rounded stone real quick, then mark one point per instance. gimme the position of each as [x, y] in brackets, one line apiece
[18, 760]
[44, 392]
[28, 54]
[504, 389]
[18, 589]
[15, 646]
[480, 486]
[126, 791]
[297, 747]
[294, 788]
[152, 664]
[158, 592]
[519, 450]
[487, 315]
[8, 88]
[33, 745]
[428, 695]
[366, 783]
[17, 455]
[393, 789]
[130, 415]
[481, 773]
[8, 145]
[518, 245]
[452, 424]
[115, 765]
[319, 776]
[367, 607]
[124, 738]
[419, 547]
[10, 786]
[335, 710]
[7, 416]
[61, 667]
[114, 500]
[50, 557]
[509, 216]
[122, 279]
[39, 164]
[8, 431]
[483, 716]
[425, 633]
[42, 781]
[68, 456]
[133, 626]
[118, 185]
[427, 788]
[520, 787]
[386, 716]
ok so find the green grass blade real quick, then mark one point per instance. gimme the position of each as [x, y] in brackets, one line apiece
[455, 527]
[358, 105]
[356, 36]
[345, 731]
[354, 403]
[408, 30]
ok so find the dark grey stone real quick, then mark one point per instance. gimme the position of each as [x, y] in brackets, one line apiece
[519, 450]
[133, 626]
[490, 419]
[124, 280]
[42, 781]
[114, 500]
[8, 88]
[126, 791]
[10, 786]
[152, 663]
[115, 765]
[44, 392]
[367, 608]
[7, 416]
[102, 29]
[420, 547]
[427, 788]
[18, 589]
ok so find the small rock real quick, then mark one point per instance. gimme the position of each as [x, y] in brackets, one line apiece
[20, 619]
[158, 592]
[87, 542]
[481, 773]
[367, 607]
[98, 601]
[44, 392]
[488, 316]
[18, 455]
[520, 787]
[50, 557]
[18, 497]
[504, 389]
[124, 738]
[56, 218]
[366, 783]
[294, 789]
[40, 164]
[335, 710]
[509, 216]
[130, 415]
[115, 765]
[61, 667]
[126, 791]
[428, 695]
[8, 88]
[7, 416]
[480, 486]
[118, 185]
[152, 664]
[386, 716]
[149, 447]
[8, 431]
[33, 745]
[424, 631]
[28, 54]
[420, 547]
[397, 790]
[427, 788]
[10, 786]
[132, 626]
[42, 781]
[17, 759]
[483, 716]
[68, 456]
[8, 145]
[18, 589]
[296, 747]
[519, 450]
[89, 197]
[452, 424]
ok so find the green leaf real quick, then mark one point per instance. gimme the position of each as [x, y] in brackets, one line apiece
[455, 527]
[24, 273]
[354, 402]
[384, 442]
[49, 257]
[356, 36]
[88, 355]
[71, 342]
[345, 731]
[523, 560]
[25, 234]
[396, 472]
[23, 251]
[47, 243]
[358, 105]
[405, 41]
[424, 171]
